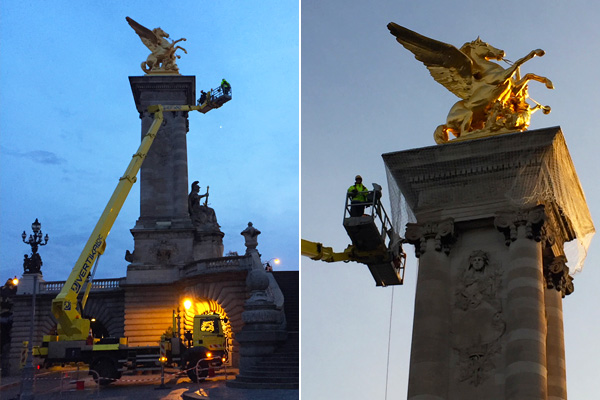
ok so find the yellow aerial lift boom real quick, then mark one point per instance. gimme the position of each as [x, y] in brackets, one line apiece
[374, 242]
[71, 325]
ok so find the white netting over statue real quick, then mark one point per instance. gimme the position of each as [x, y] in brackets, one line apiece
[402, 214]
[490, 175]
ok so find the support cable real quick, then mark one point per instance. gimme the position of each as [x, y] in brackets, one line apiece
[387, 370]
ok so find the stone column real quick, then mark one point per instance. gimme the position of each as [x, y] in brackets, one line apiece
[558, 284]
[164, 233]
[429, 358]
[180, 170]
[148, 173]
[525, 356]
[164, 174]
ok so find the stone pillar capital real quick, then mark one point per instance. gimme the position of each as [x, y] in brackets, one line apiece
[556, 274]
[442, 232]
[532, 219]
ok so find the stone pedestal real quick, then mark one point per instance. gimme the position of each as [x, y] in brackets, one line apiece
[28, 281]
[492, 217]
[264, 324]
[208, 244]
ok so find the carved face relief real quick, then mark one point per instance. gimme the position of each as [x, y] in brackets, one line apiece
[478, 260]
[478, 320]
[477, 263]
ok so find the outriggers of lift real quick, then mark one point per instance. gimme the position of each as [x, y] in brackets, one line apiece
[374, 242]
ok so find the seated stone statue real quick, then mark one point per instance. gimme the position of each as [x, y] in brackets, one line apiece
[202, 215]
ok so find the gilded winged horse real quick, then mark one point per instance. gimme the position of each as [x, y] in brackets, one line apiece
[162, 58]
[493, 98]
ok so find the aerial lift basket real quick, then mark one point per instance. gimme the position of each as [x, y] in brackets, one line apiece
[372, 234]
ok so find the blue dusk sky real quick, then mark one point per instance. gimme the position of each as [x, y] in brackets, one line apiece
[69, 126]
[364, 95]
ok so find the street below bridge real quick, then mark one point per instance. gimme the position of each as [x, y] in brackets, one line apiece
[141, 387]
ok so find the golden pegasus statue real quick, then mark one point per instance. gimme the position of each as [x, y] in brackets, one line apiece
[493, 98]
[162, 58]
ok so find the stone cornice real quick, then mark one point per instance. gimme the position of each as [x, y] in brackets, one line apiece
[474, 170]
[176, 89]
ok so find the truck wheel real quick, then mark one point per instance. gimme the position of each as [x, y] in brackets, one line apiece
[107, 372]
[191, 370]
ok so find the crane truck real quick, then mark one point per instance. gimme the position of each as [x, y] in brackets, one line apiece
[374, 241]
[110, 357]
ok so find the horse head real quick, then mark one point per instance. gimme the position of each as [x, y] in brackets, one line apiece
[160, 33]
[482, 50]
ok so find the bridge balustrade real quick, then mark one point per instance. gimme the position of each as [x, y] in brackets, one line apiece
[97, 285]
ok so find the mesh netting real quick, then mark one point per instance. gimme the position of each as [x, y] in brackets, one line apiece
[529, 170]
[402, 214]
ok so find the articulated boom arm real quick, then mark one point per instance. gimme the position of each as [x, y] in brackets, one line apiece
[71, 326]
[385, 264]
[317, 251]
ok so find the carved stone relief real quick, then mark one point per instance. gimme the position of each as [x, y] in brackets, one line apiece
[477, 361]
[478, 319]
[164, 251]
[479, 283]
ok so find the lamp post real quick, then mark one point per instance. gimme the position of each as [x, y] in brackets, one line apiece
[31, 265]
[268, 266]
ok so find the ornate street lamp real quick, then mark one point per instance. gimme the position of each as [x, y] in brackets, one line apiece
[33, 264]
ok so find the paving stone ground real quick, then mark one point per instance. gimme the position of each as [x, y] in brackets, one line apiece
[145, 387]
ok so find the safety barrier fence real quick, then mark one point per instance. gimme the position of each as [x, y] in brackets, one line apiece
[79, 380]
[62, 381]
[202, 372]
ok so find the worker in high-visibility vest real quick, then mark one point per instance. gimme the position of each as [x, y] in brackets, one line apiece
[225, 86]
[358, 196]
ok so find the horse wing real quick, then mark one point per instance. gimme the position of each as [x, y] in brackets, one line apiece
[148, 37]
[447, 65]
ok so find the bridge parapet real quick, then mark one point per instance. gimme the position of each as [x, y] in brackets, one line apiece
[97, 285]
